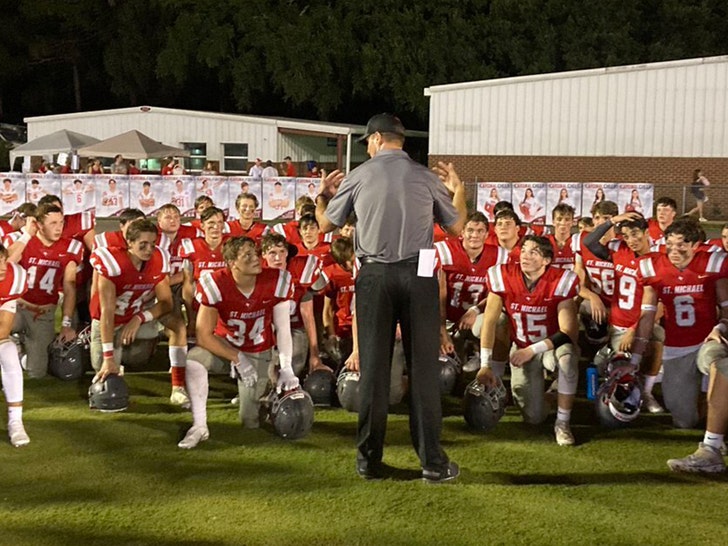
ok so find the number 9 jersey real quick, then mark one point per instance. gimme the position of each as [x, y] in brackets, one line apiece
[246, 322]
[533, 313]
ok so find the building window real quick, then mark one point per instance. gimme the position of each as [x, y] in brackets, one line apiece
[198, 156]
[235, 158]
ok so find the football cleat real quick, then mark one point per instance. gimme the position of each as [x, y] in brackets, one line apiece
[651, 404]
[193, 437]
[179, 397]
[705, 460]
[17, 434]
[564, 436]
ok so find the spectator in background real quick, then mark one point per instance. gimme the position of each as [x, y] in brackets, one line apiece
[698, 191]
[66, 169]
[95, 167]
[119, 166]
[270, 171]
[133, 169]
[313, 170]
[256, 171]
[177, 168]
[168, 168]
[42, 168]
[289, 167]
[209, 169]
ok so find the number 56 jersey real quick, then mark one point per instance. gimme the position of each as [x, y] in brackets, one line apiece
[533, 313]
[246, 322]
[688, 295]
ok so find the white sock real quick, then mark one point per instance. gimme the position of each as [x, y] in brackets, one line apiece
[713, 439]
[498, 367]
[650, 381]
[15, 413]
[11, 371]
[177, 356]
[563, 415]
[197, 387]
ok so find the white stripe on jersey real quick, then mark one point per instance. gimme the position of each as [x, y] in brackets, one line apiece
[613, 245]
[502, 255]
[715, 263]
[19, 279]
[576, 243]
[187, 246]
[210, 288]
[75, 247]
[278, 228]
[284, 284]
[100, 241]
[164, 241]
[309, 269]
[165, 259]
[568, 278]
[443, 252]
[107, 258]
[495, 276]
[87, 220]
[647, 268]
[329, 237]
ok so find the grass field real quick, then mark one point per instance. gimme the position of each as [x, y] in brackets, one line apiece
[118, 479]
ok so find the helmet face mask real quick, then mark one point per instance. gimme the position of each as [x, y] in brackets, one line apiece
[484, 406]
[347, 389]
[110, 395]
[292, 414]
[69, 360]
[619, 399]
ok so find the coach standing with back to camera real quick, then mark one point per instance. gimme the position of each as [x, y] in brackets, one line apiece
[394, 199]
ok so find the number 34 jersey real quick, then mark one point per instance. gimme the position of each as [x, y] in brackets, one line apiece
[688, 295]
[533, 313]
[246, 322]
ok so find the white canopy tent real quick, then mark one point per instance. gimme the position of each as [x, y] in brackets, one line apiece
[62, 141]
[131, 145]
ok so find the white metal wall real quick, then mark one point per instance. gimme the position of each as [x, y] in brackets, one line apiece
[309, 147]
[673, 109]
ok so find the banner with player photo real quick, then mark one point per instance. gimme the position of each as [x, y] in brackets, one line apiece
[529, 202]
[488, 194]
[593, 192]
[568, 193]
[307, 187]
[12, 192]
[278, 198]
[148, 192]
[245, 184]
[183, 194]
[38, 185]
[112, 194]
[77, 193]
[636, 198]
[215, 187]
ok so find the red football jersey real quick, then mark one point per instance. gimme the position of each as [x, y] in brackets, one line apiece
[110, 239]
[322, 251]
[172, 247]
[657, 236]
[201, 256]
[439, 234]
[133, 287]
[15, 283]
[533, 313]
[306, 272]
[599, 272]
[76, 226]
[564, 257]
[46, 265]
[245, 321]
[466, 279]
[688, 295]
[627, 300]
[341, 292]
[255, 231]
[5, 228]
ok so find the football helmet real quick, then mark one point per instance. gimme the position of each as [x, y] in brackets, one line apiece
[319, 384]
[70, 359]
[449, 370]
[291, 413]
[347, 389]
[484, 406]
[619, 398]
[602, 358]
[110, 395]
[596, 333]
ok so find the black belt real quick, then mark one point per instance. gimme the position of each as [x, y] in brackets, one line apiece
[375, 261]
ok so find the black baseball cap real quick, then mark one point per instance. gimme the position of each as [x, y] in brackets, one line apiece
[383, 123]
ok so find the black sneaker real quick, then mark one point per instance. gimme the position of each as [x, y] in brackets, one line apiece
[449, 473]
[370, 471]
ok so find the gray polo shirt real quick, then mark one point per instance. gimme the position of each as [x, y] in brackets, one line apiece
[396, 201]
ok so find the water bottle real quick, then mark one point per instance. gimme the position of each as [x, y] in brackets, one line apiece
[592, 382]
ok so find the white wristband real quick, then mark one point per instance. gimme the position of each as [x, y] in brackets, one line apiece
[540, 347]
[24, 238]
[285, 361]
[66, 322]
[475, 308]
[485, 357]
[147, 316]
[647, 307]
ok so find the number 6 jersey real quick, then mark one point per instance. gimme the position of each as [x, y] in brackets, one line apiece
[533, 313]
[246, 322]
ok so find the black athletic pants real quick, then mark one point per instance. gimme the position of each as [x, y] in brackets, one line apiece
[387, 294]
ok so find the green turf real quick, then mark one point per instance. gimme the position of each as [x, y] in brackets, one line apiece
[118, 479]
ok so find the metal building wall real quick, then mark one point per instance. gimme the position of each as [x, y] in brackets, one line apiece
[669, 109]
